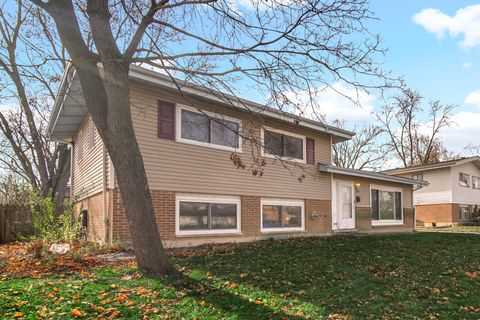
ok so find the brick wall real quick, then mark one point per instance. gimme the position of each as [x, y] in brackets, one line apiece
[446, 213]
[96, 219]
[364, 221]
[164, 205]
[321, 224]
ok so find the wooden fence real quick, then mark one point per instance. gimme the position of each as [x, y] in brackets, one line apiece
[15, 222]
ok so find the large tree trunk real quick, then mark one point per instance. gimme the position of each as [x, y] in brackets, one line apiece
[130, 172]
[107, 97]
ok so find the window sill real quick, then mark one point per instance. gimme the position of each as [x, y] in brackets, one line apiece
[387, 223]
[268, 231]
[208, 234]
[281, 158]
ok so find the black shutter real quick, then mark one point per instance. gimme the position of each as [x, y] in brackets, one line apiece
[310, 151]
[375, 205]
[398, 206]
[166, 120]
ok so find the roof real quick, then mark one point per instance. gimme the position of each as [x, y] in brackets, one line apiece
[70, 108]
[368, 174]
[440, 165]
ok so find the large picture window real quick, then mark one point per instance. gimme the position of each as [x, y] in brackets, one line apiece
[281, 144]
[197, 214]
[278, 215]
[387, 207]
[464, 180]
[209, 129]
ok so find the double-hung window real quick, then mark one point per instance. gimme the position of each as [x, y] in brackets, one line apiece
[464, 213]
[387, 207]
[464, 180]
[205, 214]
[283, 144]
[208, 129]
[282, 215]
[475, 182]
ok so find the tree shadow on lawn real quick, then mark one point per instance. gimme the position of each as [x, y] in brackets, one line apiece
[228, 304]
[359, 276]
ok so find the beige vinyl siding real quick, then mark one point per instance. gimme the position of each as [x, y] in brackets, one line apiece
[364, 190]
[183, 167]
[464, 195]
[87, 171]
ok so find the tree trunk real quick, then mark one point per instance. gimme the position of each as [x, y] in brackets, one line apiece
[121, 143]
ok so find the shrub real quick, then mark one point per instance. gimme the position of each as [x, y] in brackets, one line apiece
[50, 225]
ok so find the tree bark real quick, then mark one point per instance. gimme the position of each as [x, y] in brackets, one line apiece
[107, 97]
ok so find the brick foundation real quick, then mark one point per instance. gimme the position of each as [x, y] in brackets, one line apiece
[364, 221]
[441, 214]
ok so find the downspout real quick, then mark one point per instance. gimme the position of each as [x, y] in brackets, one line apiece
[72, 145]
[105, 196]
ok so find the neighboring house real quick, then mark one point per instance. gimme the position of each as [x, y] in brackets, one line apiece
[452, 195]
[199, 195]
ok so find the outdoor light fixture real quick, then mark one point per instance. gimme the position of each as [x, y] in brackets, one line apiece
[357, 186]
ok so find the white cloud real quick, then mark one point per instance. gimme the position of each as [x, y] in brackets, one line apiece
[333, 103]
[464, 131]
[467, 65]
[466, 22]
[473, 98]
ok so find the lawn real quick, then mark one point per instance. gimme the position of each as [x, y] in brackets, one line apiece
[457, 229]
[423, 275]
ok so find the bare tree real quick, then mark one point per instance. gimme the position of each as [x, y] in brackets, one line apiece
[364, 151]
[472, 150]
[30, 65]
[413, 137]
[277, 46]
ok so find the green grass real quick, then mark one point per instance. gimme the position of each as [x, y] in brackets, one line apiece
[424, 275]
[458, 229]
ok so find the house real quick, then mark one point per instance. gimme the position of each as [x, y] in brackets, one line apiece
[198, 194]
[452, 195]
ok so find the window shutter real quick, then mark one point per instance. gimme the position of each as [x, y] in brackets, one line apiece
[310, 151]
[166, 120]
[375, 205]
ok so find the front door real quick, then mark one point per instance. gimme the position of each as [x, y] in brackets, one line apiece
[345, 206]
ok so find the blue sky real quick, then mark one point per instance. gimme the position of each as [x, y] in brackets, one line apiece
[438, 53]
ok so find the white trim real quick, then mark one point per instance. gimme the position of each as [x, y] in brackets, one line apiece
[350, 184]
[282, 202]
[287, 133]
[178, 125]
[209, 199]
[387, 222]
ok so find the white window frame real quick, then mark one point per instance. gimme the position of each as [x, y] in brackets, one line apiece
[208, 199]
[473, 184]
[460, 181]
[287, 133]
[178, 134]
[387, 222]
[282, 202]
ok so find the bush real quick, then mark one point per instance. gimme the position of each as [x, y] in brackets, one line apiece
[50, 225]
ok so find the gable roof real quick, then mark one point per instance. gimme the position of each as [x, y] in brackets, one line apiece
[440, 165]
[70, 108]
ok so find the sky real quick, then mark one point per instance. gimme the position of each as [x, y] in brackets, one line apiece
[435, 46]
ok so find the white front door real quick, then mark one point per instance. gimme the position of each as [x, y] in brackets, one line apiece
[345, 206]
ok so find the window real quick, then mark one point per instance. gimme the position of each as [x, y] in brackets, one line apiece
[200, 215]
[464, 213]
[210, 130]
[386, 206]
[475, 182]
[278, 215]
[418, 177]
[464, 180]
[282, 144]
